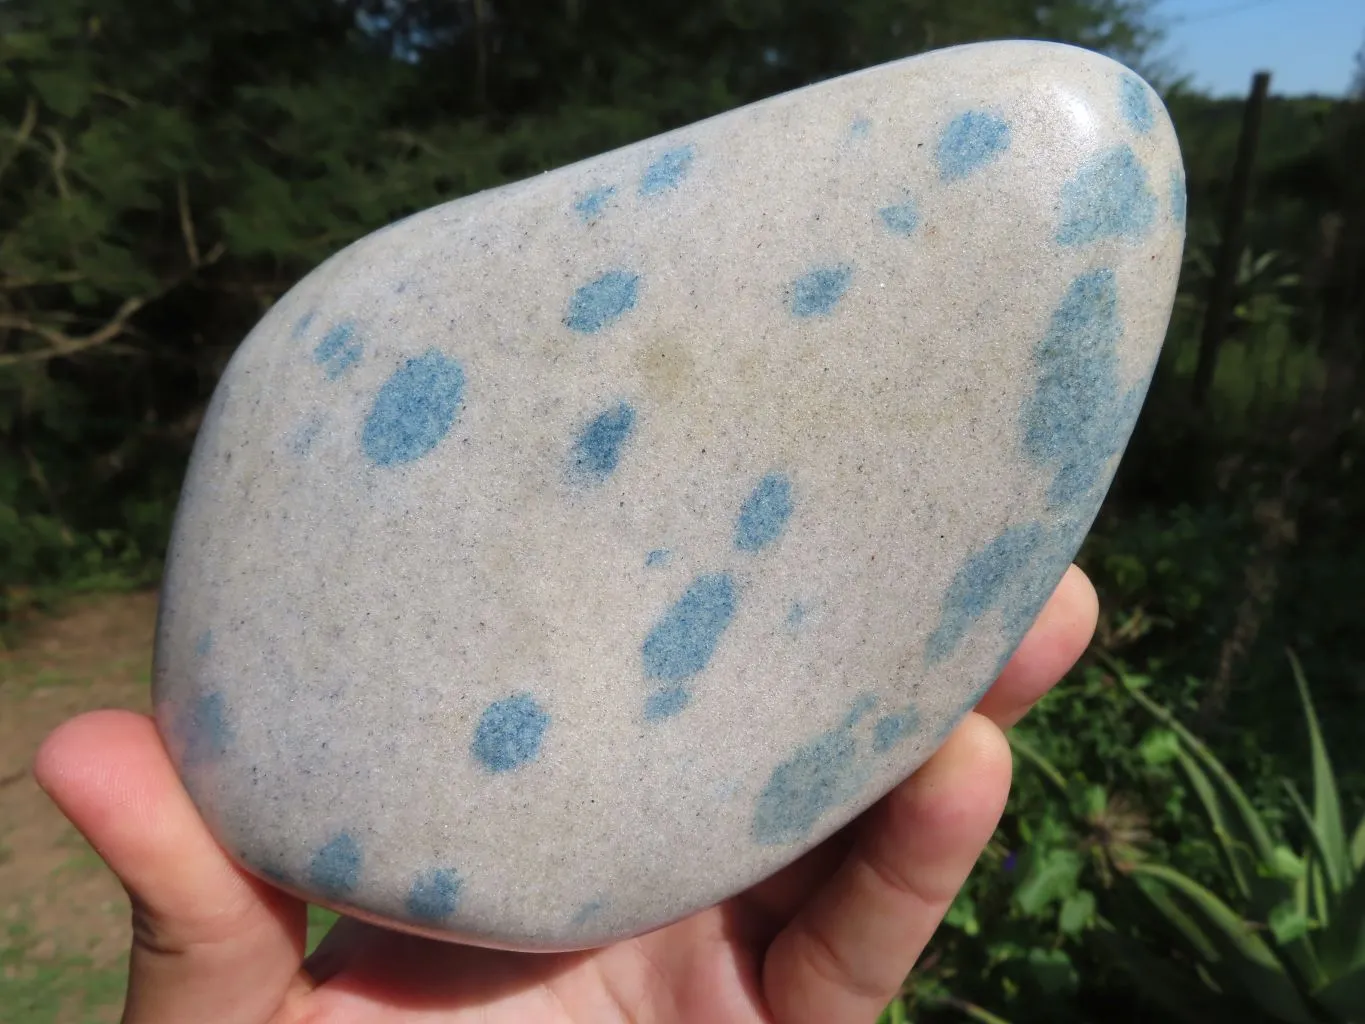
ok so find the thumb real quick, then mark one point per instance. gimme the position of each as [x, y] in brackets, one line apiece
[209, 941]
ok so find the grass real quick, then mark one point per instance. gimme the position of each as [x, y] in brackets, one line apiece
[36, 988]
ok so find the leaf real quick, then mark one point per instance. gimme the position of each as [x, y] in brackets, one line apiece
[1288, 865]
[1052, 879]
[1243, 961]
[1029, 753]
[1078, 912]
[1238, 857]
[64, 92]
[1342, 942]
[1175, 917]
[1053, 970]
[1358, 846]
[1159, 746]
[1327, 821]
[962, 914]
[1288, 923]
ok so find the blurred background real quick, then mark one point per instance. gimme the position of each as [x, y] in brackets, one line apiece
[1183, 840]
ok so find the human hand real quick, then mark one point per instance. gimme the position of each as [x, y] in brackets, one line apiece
[827, 940]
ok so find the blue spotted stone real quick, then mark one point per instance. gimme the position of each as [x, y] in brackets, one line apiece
[335, 869]
[582, 552]
[414, 410]
[668, 171]
[971, 141]
[597, 451]
[1135, 100]
[818, 291]
[900, 219]
[591, 204]
[338, 350]
[683, 641]
[1109, 197]
[1078, 417]
[205, 730]
[764, 515]
[803, 788]
[891, 729]
[434, 895]
[510, 732]
[602, 301]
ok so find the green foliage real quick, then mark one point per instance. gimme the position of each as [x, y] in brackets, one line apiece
[38, 986]
[1284, 937]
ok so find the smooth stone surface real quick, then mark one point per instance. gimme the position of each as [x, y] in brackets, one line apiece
[562, 560]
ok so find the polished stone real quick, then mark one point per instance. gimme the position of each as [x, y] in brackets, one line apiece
[562, 560]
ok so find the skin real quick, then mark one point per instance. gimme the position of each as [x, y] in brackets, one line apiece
[828, 940]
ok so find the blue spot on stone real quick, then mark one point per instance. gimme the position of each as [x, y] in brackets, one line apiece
[205, 730]
[338, 350]
[860, 708]
[668, 171]
[1107, 198]
[984, 582]
[658, 557]
[861, 128]
[682, 642]
[764, 514]
[510, 732]
[901, 219]
[971, 141]
[602, 301]
[302, 324]
[335, 869]
[597, 451]
[434, 895]
[1178, 196]
[1076, 420]
[204, 644]
[802, 789]
[414, 410]
[302, 441]
[891, 729]
[1136, 103]
[586, 913]
[591, 203]
[666, 702]
[796, 615]
[816, 292]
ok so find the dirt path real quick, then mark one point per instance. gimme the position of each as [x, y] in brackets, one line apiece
[63, 917]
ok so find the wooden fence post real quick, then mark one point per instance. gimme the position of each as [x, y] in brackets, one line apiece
[1230, 250]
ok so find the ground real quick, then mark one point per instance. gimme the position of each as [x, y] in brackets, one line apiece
[64, 926]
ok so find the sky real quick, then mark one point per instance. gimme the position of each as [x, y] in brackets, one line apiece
[1307, 45]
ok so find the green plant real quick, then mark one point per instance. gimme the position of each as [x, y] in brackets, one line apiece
[1285, 939]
